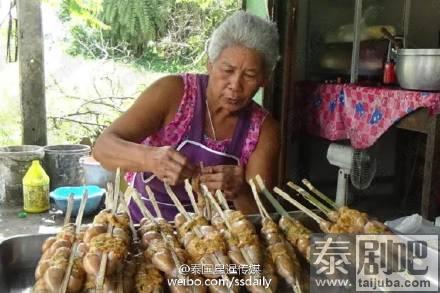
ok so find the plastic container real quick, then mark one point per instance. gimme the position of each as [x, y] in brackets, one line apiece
[61, 163]
[14, 162]
[95, 195]
[36, 189]
[94, 173]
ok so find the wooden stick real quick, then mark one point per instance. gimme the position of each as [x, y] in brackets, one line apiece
[133, 230]
[207, 208]
[216, 206]
[153, 201]
[78, 222]
[114, 205]
[109, 196]
[177, 202]
[309, 198]
[70, 202]
[182, 210]
[145, 212]
[125, 199]
[222, 199]
[279, 208]
[117, 182]
[243, 251]
[308, 212]
[319, 193]
[116, 196]
[101, 273]
[189, 190]
[260, 205]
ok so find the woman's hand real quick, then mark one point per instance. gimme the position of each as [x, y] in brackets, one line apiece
[228, 178]
[170, 166]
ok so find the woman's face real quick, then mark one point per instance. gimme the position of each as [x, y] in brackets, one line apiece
[235, 76]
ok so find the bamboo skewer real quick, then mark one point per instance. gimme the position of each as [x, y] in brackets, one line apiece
[101, 273]
[309, 198]
[295, 287]
[114, 205]
[126, 200]
[222, 200]
[308, 212]
[69, 209]
[197, 231]
[153, 201]
[189, 190]
[216, 206]
[278, 207]
[109, 195]
[319, 193]
[120, 288]
[131, 225]
[207, 210]
[146, 213]
[78, 222]
[243, 251]
[117, 184]
[176, 201]
[260, 205]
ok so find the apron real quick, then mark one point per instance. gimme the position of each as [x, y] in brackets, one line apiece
[195, 151]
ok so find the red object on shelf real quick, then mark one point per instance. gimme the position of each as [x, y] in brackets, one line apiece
[389, 74]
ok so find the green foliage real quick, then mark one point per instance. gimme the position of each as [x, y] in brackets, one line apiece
[83, 11]
[159, 35]
[136, 21]
[183, 47]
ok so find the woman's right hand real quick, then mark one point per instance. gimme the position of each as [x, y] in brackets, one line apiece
[170, 166]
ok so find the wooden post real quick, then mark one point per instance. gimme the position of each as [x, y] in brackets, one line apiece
[288, 78]
[31, 71]
[431, 170]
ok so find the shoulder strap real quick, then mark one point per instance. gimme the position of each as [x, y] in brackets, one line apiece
[240, 133]
[197, 123]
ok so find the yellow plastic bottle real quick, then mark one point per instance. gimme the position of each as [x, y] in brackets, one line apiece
[35, 189]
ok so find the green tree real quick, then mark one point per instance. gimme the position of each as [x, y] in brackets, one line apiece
[161, 35]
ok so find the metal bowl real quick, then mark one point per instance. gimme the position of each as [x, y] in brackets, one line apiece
[418, 69]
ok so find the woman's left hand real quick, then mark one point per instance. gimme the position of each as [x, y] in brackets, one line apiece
[228, 178]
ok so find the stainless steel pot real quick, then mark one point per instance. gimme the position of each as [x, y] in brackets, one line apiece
[418, 69]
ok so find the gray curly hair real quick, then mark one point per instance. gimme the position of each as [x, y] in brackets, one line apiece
[250, 31]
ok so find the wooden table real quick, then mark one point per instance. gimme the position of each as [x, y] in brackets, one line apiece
[421, 121]
[362, 114]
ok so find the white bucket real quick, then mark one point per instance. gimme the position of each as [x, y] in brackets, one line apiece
[94, 173]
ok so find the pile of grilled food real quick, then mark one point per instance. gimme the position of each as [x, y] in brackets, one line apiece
[112, 255]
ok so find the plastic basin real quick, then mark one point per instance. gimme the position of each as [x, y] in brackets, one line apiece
[95, 195]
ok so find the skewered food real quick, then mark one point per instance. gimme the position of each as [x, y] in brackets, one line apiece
[157, 248]
[284, 258]
[344, 219]
[286, 263]
[148, 278]
[297, 235]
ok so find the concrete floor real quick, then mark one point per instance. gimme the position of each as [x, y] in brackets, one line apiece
[11, 224]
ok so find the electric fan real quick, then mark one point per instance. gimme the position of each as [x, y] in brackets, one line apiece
[360, 165]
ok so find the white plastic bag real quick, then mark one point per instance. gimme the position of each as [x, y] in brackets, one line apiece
[414, 224]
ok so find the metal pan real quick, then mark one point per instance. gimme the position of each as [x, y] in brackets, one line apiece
[19, 256]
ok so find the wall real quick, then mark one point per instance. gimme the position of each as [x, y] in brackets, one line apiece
[424, 31]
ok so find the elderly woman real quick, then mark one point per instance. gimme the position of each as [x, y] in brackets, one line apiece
[184, 126]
